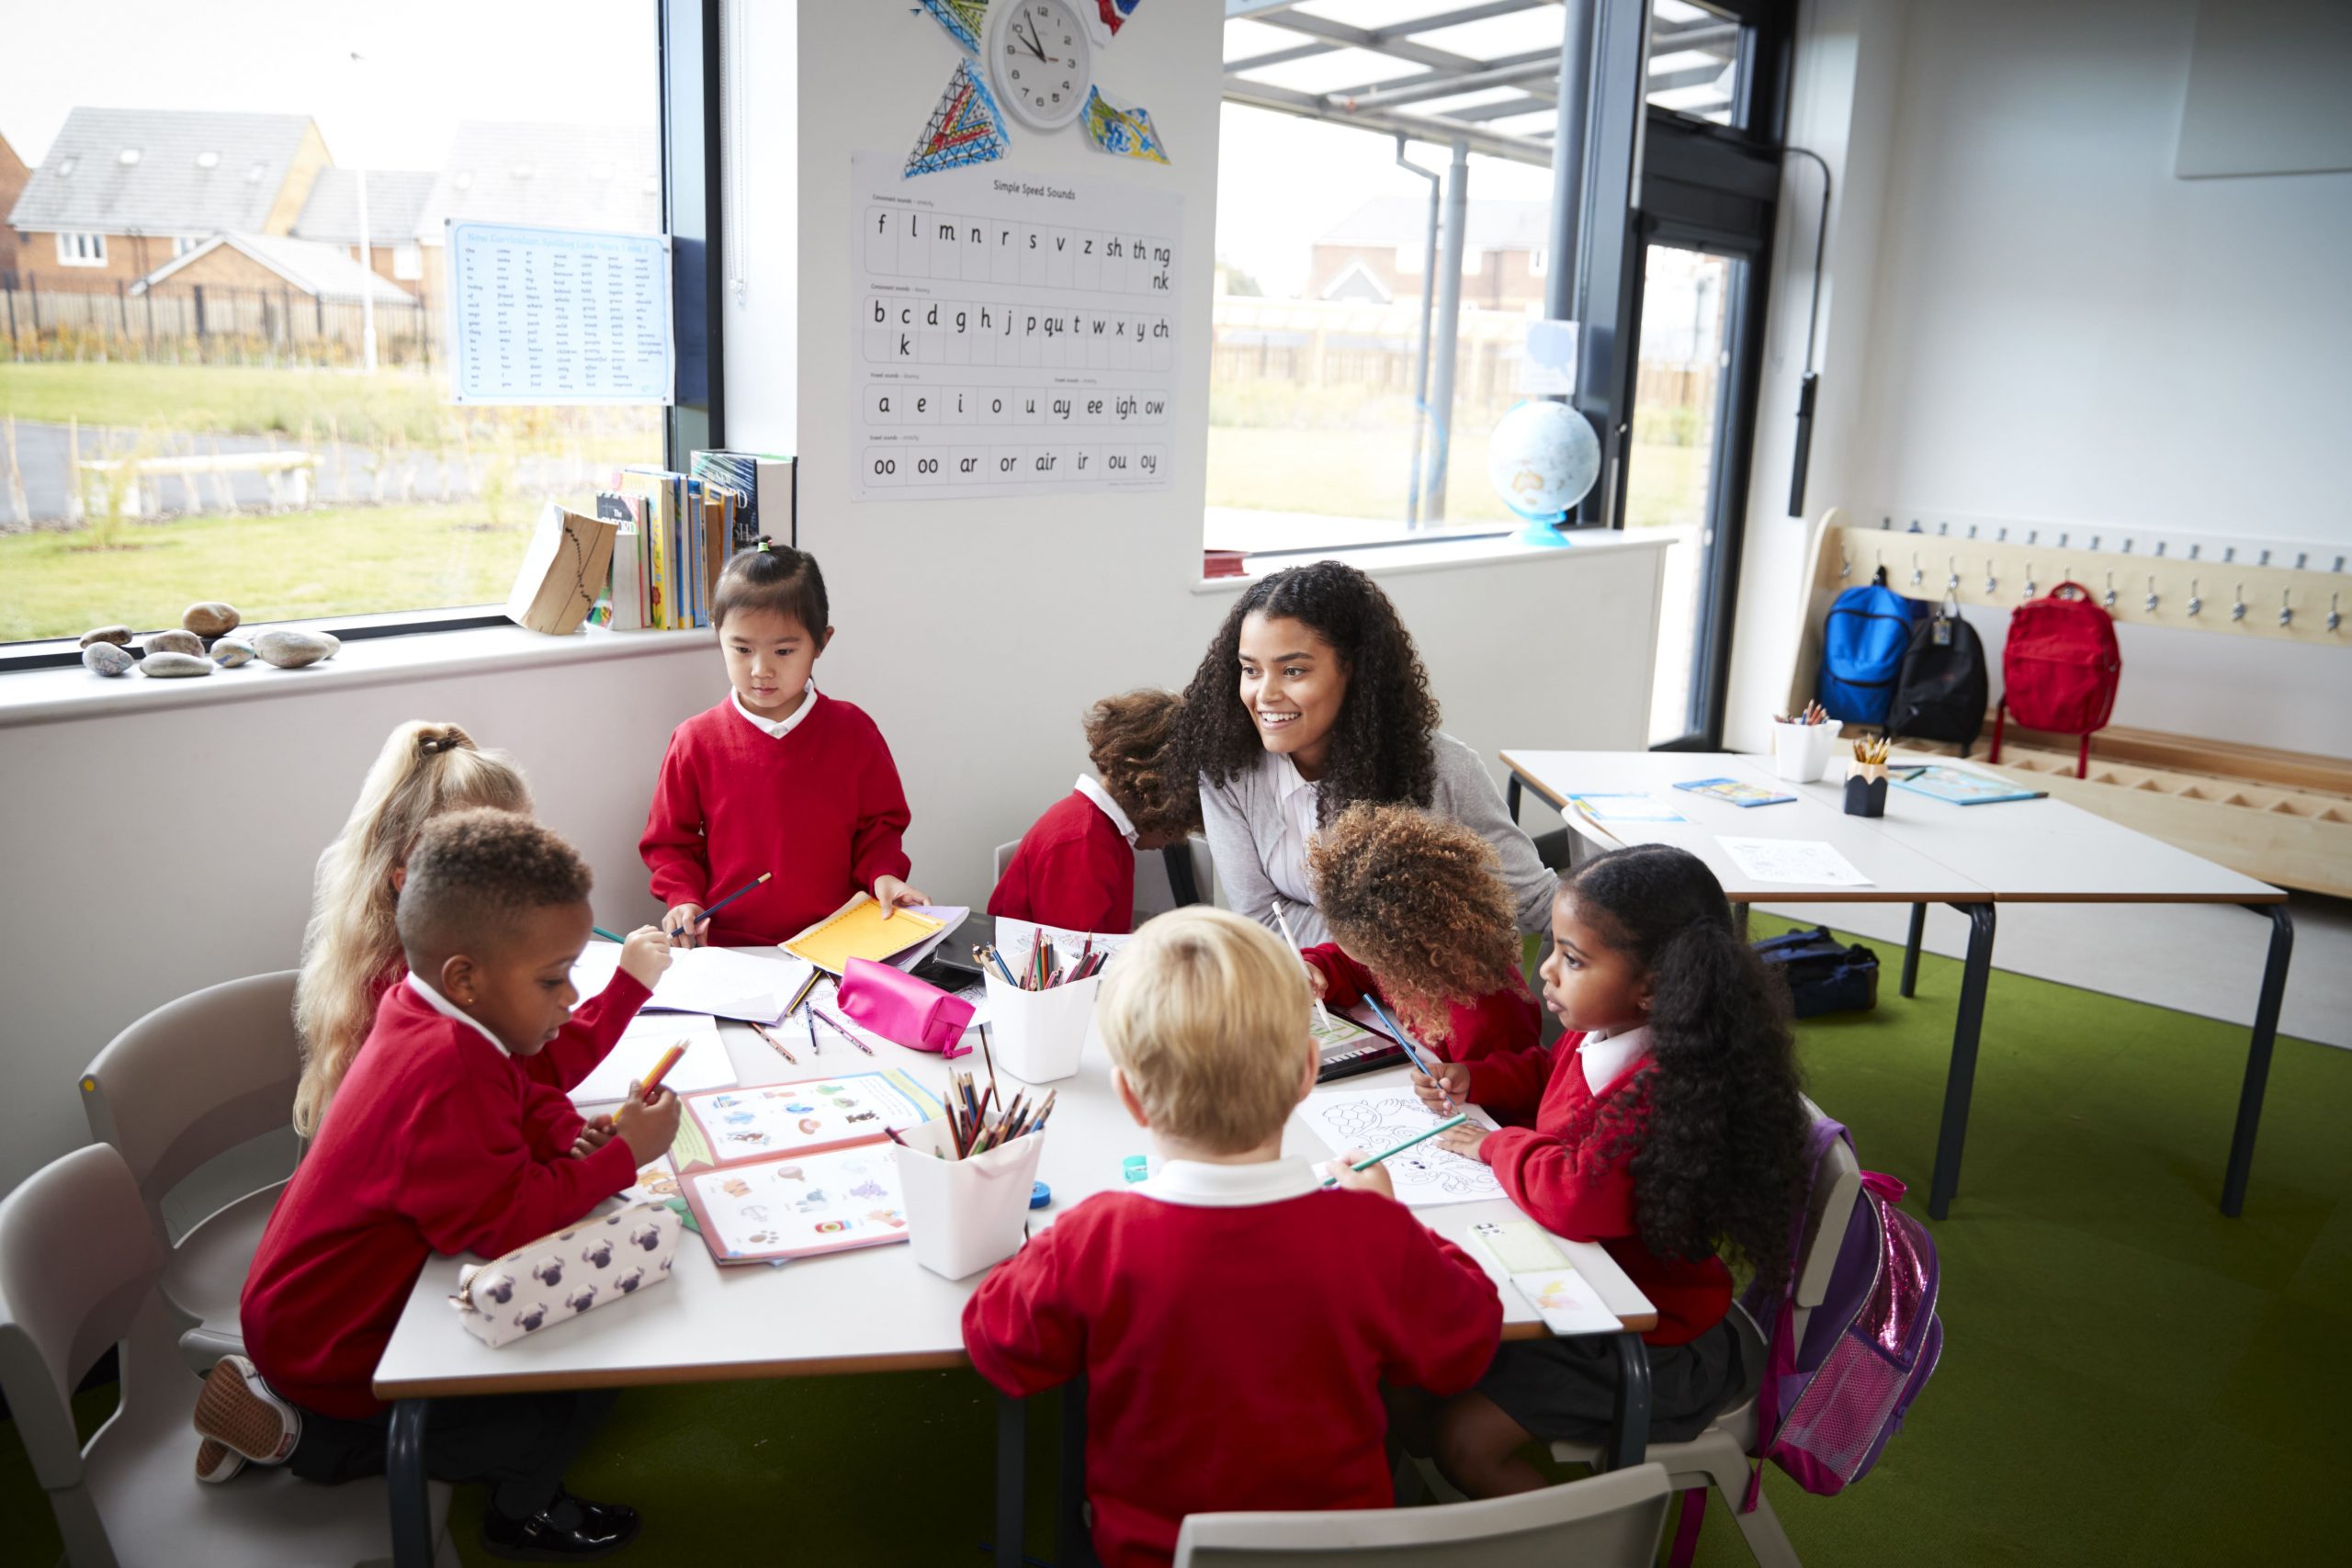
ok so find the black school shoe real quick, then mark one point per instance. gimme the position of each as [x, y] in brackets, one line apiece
[569, 1530]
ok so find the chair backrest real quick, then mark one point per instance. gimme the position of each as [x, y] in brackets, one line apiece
[1003, 859]
[195, 1078]
[1835, 1186]
[78, 1262]
[1609, 1522]
[1161, 879]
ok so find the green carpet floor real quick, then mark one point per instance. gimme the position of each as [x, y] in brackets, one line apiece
[2127, 1376]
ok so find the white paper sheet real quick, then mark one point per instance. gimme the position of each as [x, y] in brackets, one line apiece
[1567, 1301]
[1381, 1118]
[752, 983]
[1806, 863]
[704, 1065]
[1018, 939]
[557, 316]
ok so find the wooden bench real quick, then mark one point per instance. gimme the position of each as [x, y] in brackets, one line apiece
[291, 477]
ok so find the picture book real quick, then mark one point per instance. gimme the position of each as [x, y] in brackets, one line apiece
[1625, 808]
[1739, 791]
[1961, 787]
[805, 1117]
[800, 1206]
[857, 930]
[1381, 1118]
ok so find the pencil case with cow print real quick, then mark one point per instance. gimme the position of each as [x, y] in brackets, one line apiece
[543, 1282]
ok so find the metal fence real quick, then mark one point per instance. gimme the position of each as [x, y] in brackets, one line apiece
[209, 324]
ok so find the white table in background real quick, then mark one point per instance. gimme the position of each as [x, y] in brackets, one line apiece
[872, 1310]
[2039, 851]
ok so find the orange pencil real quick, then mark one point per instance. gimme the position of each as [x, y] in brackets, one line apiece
[661, 1070]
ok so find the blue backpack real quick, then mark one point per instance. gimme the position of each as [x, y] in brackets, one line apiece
[1862, 644]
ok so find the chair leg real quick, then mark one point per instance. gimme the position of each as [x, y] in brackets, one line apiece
[1767, 1542]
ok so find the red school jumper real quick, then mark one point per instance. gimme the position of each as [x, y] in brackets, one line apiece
[1074, 869]
[437, 1141]
[1198, 1398]
[820, 806]
[1504, 1024]
[1560, 1173]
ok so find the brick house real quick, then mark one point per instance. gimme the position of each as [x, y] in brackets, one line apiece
[122, 192]
[273, 264]
[395, 202]
[1376, 253]
[12, 176]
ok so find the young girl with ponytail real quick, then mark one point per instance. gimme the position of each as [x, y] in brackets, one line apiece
[1672, 1132]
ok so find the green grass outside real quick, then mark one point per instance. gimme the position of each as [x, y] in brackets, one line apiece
[353, 561]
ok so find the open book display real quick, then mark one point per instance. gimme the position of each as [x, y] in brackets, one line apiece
[797, 1169]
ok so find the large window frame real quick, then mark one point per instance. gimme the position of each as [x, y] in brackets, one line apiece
[691, 130]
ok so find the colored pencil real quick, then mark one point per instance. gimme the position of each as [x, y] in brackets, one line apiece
[662, 1066]
[801, 995]
[1421, 1064]
[830, 1024]
[724, 902]
[990, 1061]
[1319, 1010]
[1366, 1163]
[608, 936]
[778, 1045]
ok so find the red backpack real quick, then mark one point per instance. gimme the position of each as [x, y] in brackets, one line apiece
[2059, 668]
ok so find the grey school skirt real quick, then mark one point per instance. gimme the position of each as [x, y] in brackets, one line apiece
[1565, 1390]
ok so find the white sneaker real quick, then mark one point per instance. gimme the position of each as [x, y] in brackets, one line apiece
[237, 1411]
[216, 1461]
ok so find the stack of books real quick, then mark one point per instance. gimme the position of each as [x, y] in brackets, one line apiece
[677, 532]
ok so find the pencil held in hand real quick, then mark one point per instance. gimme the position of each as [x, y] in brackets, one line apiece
[661, 1070]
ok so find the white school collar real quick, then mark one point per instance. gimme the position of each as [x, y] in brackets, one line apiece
[779, 727]
[1606, 1056]
[449, 1009]
[1197, 1184]
[1092, 787]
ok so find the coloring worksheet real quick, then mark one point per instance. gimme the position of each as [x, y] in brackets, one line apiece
[1381, 1118]
[799, 1206]
[817, 1113]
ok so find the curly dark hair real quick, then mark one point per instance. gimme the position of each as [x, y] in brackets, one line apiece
[472, 872]
[1381, 743]
[1127, 738]
[1720, 1162]
[1416, 899]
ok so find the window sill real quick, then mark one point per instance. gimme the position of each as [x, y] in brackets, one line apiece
[54, 695]
[1442, 555]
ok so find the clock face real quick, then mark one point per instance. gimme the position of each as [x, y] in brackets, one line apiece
[1039, 61]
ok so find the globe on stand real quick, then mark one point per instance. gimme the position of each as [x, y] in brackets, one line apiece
[1543, 458]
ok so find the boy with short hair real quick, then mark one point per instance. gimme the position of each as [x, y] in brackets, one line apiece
[442, 1140]
[1076, 865]
[1233, 1321]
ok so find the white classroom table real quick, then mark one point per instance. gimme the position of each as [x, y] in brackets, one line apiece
[2042, 852]
[872, 1310]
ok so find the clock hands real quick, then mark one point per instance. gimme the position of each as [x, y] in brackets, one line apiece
[1031, 43]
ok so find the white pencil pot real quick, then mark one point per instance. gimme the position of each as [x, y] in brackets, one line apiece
[963, 1215]
[1801, 751]
[1038, 1036]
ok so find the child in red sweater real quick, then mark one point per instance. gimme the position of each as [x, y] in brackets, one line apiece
[1672, 1128]
[443, 1139]
[1200, 1398]
[778, 779]
[1424, 925]
[1076, 865]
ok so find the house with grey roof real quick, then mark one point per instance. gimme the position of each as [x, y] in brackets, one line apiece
[122, 192]
[395, 201]
[1376, 254]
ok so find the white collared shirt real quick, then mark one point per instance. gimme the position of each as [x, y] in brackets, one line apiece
[1197, 1184]
[779, 727]
[1605, 1057]
[449, 1009]
[1092, 787]
[1294, 798]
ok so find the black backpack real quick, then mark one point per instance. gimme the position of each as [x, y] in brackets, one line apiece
[1824, 975]
[1939, 692]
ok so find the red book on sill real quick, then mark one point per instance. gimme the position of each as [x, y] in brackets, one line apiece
[1221, 563]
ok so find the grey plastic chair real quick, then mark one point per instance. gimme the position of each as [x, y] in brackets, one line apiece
[1609, 1522]
[185, 1084]
[78, 1272]
[1718, 1456]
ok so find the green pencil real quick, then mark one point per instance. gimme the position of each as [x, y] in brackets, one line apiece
[608, 936]
[1370, 1160]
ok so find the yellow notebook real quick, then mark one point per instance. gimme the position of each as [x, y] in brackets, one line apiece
[857, 930]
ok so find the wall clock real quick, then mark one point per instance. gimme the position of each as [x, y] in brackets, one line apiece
[1039, 61]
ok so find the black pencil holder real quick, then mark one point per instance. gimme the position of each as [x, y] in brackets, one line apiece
[1865, 797]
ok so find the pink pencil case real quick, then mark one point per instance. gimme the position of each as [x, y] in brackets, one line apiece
[895, 1005]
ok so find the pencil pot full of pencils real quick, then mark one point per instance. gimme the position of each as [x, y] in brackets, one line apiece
[963, 1215]
[1866, 779]
[1039, 1035]
[1801, 744]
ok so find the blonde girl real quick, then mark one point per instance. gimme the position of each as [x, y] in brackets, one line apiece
[350, 952]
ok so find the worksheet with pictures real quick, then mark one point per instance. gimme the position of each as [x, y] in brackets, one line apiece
[1011, 332]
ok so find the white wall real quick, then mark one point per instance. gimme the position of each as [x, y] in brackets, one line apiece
[2060, 332]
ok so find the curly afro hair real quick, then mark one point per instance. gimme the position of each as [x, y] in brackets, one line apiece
[1128, 738]
[472, 872]
[1416, 899]
[1719, 1164]
[1381, 744]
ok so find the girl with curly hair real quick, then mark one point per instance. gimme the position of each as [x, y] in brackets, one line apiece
[1421, 922]
[1076, 865]
[1672, 1132]
[1310, 698]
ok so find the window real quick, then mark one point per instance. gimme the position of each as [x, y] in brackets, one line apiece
[259, 460]
[1694, 58]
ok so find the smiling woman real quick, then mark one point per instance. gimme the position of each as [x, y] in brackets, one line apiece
[1310, 698]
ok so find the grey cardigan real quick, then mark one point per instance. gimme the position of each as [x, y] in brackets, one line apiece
[1243, 813]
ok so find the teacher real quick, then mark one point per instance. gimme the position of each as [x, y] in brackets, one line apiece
[1310, 699]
